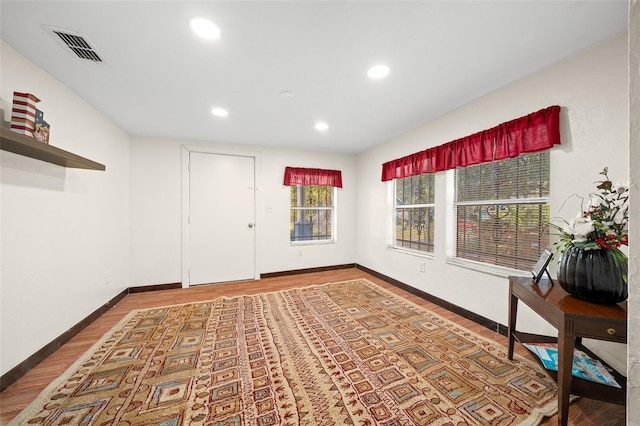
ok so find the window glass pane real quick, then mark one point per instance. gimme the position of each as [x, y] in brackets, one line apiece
[511, 232]
[311, 213]
[327, 196]
[415, 228]
[311, 196]
[432, 189]
[414, 212]
[415, 190]
[526, 176]
[399, 199]
[323, 231]
[406, 191]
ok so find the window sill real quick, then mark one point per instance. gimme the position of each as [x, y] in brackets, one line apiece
[486, 268]
[311, 242]
[416, 253]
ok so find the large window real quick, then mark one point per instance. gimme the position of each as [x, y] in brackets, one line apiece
[502, 211]
[413, 212]
[312, 213]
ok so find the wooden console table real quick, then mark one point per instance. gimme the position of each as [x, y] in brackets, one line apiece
[574, 319]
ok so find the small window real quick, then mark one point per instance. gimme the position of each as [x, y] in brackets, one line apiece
[312, 213]
[414, 213]
[502, 211]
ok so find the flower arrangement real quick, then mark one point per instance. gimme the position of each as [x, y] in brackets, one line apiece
[603, 225]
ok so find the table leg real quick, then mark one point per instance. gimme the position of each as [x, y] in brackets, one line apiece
[513, 311]
[566, 344]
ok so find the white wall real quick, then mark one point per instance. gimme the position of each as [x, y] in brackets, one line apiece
[592, 90]
[62, 229]
[156, 210]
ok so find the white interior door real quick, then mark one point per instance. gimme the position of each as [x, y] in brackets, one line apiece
[221, 218]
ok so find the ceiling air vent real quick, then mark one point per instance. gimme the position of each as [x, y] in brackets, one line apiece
[77, 43]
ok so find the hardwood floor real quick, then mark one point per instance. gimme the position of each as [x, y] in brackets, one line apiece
[17, 396]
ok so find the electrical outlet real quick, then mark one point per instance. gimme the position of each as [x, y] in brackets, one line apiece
[107, 278]
[299, 252]
[422, 267]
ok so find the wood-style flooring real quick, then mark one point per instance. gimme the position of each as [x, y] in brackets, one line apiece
[16, 397]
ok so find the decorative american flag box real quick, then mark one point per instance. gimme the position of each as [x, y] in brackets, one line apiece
[23, 113]
[41, 132]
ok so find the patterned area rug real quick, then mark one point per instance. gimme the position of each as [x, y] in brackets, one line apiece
[337, 354]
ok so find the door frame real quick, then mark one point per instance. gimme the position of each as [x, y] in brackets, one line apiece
[186, 151]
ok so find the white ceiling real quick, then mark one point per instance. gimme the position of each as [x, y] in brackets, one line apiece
[159, 80]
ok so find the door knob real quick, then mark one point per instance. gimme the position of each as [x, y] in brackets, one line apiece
[251, 225]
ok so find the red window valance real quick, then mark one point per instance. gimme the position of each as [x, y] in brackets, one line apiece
[534, 132]
[303, 176]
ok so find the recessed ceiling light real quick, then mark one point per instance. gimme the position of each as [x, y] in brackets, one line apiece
[204, 28]
[378, 71]
[219, 112]
[321, 126]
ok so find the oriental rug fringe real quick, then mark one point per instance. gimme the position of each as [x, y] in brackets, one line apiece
[336, 354]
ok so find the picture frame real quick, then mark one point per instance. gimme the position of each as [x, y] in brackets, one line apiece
[541, 266]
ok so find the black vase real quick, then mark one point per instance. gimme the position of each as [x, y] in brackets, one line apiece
[598, 276]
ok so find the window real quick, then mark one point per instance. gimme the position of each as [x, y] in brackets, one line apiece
[313, 203]
[502, 209]
[414, 212]
[312, 213]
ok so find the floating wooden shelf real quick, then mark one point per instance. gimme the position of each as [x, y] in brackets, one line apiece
[29, 147]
